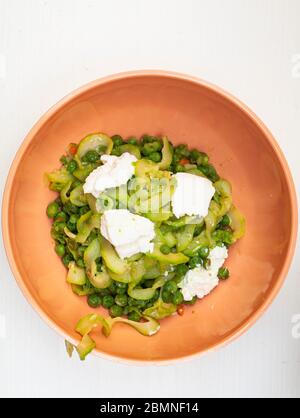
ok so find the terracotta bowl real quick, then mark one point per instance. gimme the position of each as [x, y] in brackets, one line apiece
[190, 111]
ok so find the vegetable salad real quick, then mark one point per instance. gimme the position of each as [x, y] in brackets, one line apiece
[144, 288]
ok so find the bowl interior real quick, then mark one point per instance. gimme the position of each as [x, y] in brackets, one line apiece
[188, 112]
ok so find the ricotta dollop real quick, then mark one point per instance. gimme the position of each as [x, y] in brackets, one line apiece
[128, 233]
[192, 195]
[114, 172]
[200, 281]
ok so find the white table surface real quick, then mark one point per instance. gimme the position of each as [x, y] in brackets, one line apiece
[249, 47]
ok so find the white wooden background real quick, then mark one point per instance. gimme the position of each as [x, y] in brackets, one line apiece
[249, 47]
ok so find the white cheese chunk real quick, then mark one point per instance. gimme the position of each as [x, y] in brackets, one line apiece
[114, 172]
[199, 281]
[192, 195]
[128, 233]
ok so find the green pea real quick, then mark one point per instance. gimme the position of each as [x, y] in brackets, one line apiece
[91, 156]
[116, 310]
[60, 250]
[104, 292]
[113, 288]
[182, 150]
[94, 300]
[146, 150]
[222, 236]
[116, 152]
[80, 262]
[61, 217]
[181, 269]
[210, 172]
[131, 301]
[132, 140]
[225, 221]
[166, 296]
[72, 166]
[59, 226]
[121, 300]
[155, 156]
[178, 168]
[117, 140]
[194, 262]
[170, 286]
[146, 139]
[177, 298]
[165, 249]
[157, 145]
[121, 291]
[140, 303]
[223, 273]
[52, 209]
[151, 147]
[203, 252]
[134, 316]
[195, 154]
[67, 259]
[121, 288]
[108, 301]
[202, 159]
[190, 302]
[73, 219]
[121, 285]
[160, 144]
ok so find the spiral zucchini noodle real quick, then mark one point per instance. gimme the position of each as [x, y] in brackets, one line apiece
[146, 287]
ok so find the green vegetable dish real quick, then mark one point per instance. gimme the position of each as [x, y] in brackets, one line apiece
[143, 228]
